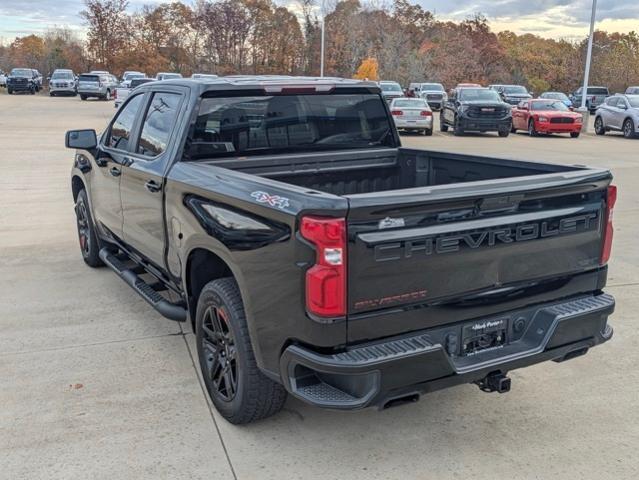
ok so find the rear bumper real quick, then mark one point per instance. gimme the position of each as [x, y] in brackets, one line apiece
[416, 124]
[376, 373]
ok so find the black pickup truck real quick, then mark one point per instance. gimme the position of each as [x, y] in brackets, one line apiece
[316, 256]
[470, 109]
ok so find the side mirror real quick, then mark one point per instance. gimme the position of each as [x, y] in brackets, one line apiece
[81, 139]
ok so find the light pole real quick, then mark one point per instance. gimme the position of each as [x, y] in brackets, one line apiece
[322, 50]
[584, 92]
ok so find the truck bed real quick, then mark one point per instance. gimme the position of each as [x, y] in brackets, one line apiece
[350, 173]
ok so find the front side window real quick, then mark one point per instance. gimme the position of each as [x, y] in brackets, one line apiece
[242, 126]
[120, 133]
[158, 124]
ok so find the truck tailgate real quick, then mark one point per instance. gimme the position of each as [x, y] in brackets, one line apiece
[459, 242]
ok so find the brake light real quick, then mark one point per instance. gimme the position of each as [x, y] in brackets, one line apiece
[426, 113]
[611, 199]
[326, 280]
[397, 113]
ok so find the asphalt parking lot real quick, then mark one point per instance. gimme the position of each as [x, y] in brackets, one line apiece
[95, 384]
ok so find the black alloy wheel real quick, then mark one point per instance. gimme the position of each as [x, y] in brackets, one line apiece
[220, 354]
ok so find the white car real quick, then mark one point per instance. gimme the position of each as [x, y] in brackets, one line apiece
[3, 80]
[412, 114]
[122, 92]
[204, 76]
[167, 76]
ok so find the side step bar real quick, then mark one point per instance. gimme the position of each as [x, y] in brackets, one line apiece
[167, 309]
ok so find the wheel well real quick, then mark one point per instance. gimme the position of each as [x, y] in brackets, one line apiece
[76, 185]
[202, 266]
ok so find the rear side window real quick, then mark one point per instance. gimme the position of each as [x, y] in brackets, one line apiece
[158, 124]
[89, 78]
[121, 129]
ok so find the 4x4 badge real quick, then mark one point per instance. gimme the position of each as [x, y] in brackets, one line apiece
[272, 200]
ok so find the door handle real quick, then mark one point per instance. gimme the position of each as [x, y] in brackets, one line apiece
[152, 186]
[115, 171]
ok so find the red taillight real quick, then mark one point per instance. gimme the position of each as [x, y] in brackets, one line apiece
[426, 113]
[608, 229]
[397, 112]
[326, 280]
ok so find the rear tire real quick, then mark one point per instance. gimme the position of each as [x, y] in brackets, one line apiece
[89, 243]
[9, 91]
[237, 387]
[83, 97]
[599, 126]
[428, 132]
[503, 133]
[629, 128]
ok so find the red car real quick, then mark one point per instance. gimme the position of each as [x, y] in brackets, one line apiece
[546, 116]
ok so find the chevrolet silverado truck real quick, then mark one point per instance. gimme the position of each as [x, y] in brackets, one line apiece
[314, 256]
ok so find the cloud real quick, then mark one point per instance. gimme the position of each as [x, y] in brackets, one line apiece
[553, 18]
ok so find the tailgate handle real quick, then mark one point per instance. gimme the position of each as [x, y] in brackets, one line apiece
[496, 204]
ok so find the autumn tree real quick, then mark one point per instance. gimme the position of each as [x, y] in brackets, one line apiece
[108, 30]
[368, 70]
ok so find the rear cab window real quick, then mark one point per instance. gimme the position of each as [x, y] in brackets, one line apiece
[261, 125]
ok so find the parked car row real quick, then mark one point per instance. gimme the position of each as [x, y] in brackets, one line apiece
[94, 84]
[506, 109]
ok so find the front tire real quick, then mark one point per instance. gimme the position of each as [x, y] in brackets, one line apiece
[629, 128]
[83, 97]
[89, 243]
[575, 134]
[237, 387]
[531, 128]
[442, 124]
[458, 131]
[503, 133]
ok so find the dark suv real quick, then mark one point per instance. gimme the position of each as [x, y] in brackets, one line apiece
[476, 109]
[22, 80]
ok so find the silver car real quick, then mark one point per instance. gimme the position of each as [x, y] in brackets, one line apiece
[97, 85]
[62, 82]
[619, 113]
[412, 114]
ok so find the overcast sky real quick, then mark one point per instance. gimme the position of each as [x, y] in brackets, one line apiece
[549, 18]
